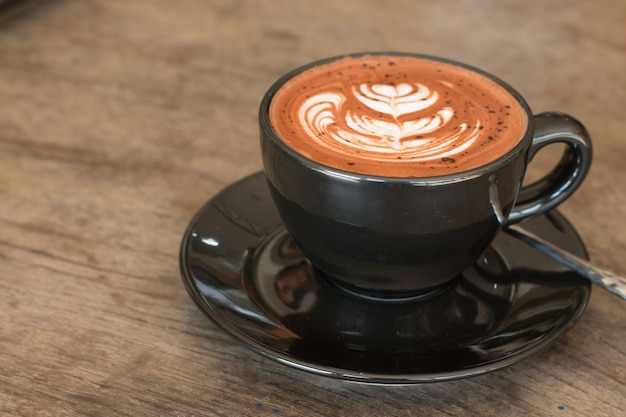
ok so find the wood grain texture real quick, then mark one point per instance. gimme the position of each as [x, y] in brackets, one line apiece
[119, 119]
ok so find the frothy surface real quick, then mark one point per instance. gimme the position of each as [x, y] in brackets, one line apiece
[396, 116]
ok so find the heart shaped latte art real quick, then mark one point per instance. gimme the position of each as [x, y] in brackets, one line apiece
[389, 121]
[396, 116]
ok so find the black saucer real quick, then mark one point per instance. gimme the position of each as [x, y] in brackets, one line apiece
[242, 269]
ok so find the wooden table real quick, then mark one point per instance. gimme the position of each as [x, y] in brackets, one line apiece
[119, 119]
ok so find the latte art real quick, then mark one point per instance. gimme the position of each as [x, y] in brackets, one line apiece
[398, 116]
[382, 123]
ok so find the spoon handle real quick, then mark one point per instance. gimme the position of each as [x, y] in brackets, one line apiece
[603, 278]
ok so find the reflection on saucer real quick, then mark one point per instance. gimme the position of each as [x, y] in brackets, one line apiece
[466, 309]
[292, 283]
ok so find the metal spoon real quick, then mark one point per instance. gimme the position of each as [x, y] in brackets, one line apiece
[609, 281]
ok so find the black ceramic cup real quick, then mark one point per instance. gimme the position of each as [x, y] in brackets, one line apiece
[390, 237]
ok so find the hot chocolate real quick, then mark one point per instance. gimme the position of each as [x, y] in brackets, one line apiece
[397, 116]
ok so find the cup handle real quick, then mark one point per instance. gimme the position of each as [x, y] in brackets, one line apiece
[557, 185]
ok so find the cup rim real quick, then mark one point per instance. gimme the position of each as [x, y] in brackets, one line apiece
[269, 132]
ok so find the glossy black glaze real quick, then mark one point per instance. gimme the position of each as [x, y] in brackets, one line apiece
[382, 239]
[391, 237]
[244, 271]
[557, 185]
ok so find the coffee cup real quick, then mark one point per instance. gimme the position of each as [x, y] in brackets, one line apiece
[393, 172]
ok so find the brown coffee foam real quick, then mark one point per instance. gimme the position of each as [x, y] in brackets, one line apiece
[494, 117]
